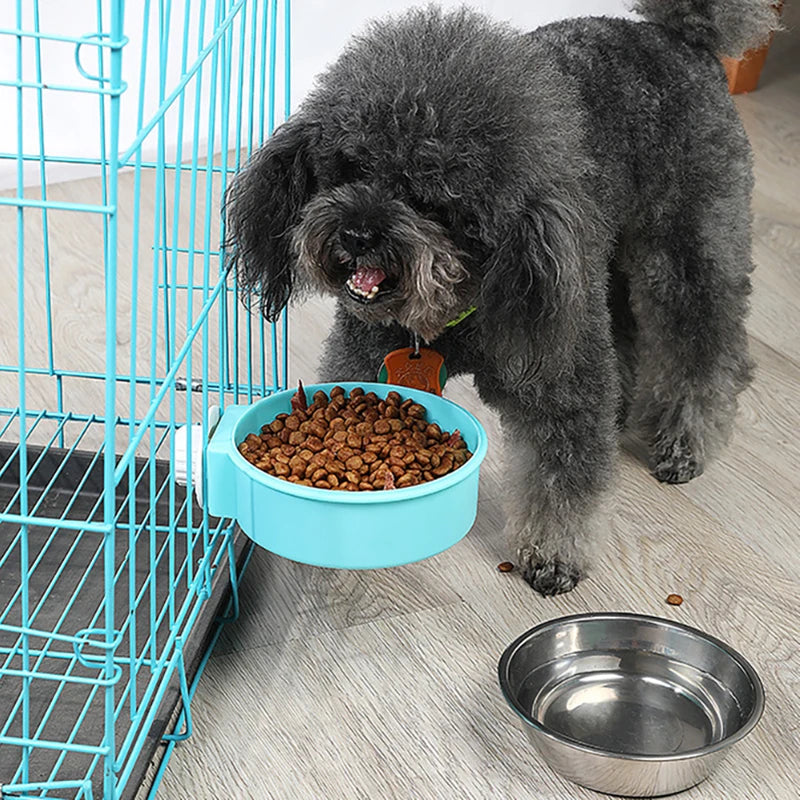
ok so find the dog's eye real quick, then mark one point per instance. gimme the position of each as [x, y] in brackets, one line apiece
[348, 169]
[430, 210]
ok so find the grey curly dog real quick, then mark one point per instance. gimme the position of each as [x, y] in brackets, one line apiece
[585, 186]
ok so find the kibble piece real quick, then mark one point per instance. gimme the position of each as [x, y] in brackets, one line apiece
[292, 422]
[317, 429]
[505, 566]
[336, 467]
[382, 426]
[297, 437]
[416, 410]
[445, 465]
[354, 463]
[314, 444]
[674, 599]
[345, 452]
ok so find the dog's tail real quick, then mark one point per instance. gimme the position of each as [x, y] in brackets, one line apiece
[726, 27]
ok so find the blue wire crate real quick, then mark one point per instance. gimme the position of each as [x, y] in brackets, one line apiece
[109, 565]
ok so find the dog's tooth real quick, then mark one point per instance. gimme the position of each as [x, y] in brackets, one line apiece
[361, 292]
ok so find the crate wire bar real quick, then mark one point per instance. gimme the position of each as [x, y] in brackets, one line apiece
[108, 564]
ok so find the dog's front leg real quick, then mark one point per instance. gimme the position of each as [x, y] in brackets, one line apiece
[561, 443]
[354, 350]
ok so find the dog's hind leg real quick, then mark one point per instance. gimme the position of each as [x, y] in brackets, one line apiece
[689, 284]
[623, 325]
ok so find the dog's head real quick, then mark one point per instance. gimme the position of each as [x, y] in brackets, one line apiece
[413, 181]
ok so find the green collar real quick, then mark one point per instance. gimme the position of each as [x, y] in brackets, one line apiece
[461, 317]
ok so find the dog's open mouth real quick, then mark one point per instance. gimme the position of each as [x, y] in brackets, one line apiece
[367, 283]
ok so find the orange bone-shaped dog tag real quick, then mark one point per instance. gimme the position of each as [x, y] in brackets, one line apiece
[424, 370]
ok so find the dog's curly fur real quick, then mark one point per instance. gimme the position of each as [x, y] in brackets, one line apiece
[586, 186]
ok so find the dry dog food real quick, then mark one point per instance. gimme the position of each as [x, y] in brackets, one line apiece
[674, 599]
[505, 566]
[355, 443]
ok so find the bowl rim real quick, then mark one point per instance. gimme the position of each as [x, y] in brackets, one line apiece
[355, 498]
[752, 721]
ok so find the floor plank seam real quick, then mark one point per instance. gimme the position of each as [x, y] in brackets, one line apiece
[356, 626]
[777, 353]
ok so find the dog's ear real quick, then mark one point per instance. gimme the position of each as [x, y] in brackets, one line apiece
[262, 206]
[534, 285]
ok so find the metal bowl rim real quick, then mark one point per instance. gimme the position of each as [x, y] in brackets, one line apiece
[752, 721]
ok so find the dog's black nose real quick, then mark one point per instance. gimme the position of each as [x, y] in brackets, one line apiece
[358, 241]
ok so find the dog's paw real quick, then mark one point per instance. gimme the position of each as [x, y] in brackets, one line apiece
[674, 461]
[549, 577]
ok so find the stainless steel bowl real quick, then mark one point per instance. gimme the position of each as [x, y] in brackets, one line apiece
[628, 704]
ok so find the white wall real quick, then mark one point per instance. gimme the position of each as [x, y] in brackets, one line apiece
[321, 27]
[71, 128]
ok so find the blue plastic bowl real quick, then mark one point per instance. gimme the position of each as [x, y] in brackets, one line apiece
[348, 530]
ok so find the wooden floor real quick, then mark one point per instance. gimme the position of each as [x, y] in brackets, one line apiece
[383, 684]
[338, 685]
